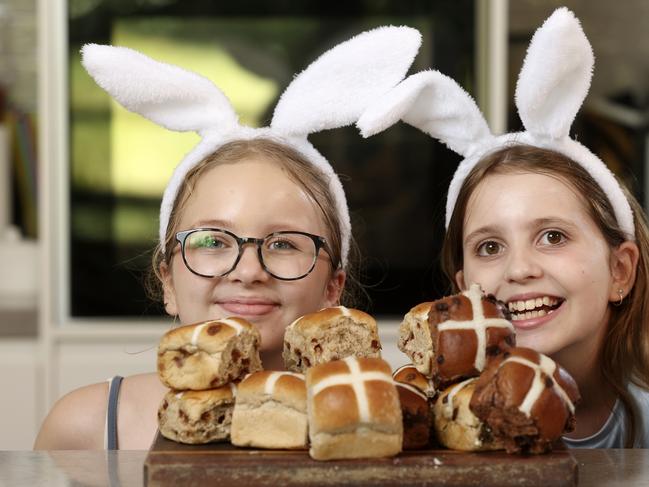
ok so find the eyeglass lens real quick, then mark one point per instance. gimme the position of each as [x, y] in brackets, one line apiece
[285, 255]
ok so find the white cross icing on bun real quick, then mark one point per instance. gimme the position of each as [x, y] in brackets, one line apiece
[478, 323]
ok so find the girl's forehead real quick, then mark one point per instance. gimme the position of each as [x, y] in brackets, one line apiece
[252, 195]
[518, 197]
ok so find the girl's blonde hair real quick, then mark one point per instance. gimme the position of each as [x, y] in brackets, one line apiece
[624, 355]
[298, 169]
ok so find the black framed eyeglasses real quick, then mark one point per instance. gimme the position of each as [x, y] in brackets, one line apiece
[286, 255]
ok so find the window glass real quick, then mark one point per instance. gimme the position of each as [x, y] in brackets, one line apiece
[120, 162]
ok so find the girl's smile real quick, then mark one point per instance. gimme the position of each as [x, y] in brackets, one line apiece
[248, 307]
[534, 310]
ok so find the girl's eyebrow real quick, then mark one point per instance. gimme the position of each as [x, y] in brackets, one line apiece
[480, 233]
[490, 230]
[280, 225]
[213, 224]
[553, 222]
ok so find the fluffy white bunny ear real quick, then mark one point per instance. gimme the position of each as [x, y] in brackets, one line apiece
[555, 76]
[170, 96]
[435, 104]
[335, 89]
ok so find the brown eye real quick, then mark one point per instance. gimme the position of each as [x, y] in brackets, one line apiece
[489, 248]
[553, 237]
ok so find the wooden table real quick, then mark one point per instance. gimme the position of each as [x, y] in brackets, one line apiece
[125, 468]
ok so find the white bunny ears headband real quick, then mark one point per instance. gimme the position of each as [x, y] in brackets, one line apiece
[332, 92]
[551, 87]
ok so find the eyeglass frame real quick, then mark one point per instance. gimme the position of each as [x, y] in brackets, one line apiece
[318, 241]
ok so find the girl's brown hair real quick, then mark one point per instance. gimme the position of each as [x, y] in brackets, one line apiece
[299, 169]
[624, 355]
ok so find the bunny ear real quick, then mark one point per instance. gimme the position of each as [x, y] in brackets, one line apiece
[165, 94]
[435, 104]
[555, 76]
[335, 89]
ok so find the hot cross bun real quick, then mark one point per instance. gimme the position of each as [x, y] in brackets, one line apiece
[354, 410]
[416, 394]
[527, 400]
[209, 354]
[456, 426]
[270, 411]
[408, 374]
[197, 416]
[453, 338]
[330, 334]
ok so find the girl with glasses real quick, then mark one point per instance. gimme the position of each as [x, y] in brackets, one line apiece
[260, 189]
[253, 223]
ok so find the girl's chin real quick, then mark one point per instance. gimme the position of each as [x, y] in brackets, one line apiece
[535, 339]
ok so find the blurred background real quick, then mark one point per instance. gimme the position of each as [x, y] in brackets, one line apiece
[81, 178]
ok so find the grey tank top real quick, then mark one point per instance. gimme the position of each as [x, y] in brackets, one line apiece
[110, 433]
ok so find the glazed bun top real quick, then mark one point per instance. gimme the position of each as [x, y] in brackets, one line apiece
[326, 316]
[285, 387]
[408, 374]
[468, 329]
[353, 391]
[210, 336]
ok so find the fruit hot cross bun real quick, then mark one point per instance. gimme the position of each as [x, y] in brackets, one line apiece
[456, 426]
[197, 416]
[209, 354]
[527, 400]
[416, 394]
[330, 334]
[457, 337]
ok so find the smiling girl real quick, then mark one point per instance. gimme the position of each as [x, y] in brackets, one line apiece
[259, 189]
[254, 221]
[534, 229]
[540, 222]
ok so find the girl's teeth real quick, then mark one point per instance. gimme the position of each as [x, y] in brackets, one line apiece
[528, 315]
[531, 304]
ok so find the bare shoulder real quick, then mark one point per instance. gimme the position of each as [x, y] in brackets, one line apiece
[137, 419]
[76, 421]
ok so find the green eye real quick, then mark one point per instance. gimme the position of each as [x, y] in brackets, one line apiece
[205, 241]
[281, 245]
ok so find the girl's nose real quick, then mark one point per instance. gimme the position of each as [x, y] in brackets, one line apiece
[522, 266]
[249, 268]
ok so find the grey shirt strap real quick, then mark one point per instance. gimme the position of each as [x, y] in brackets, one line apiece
[111, 412]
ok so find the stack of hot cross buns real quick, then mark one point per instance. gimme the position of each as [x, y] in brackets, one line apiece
[468, 388]
[201, 364]
[347, 406]
[491, 394]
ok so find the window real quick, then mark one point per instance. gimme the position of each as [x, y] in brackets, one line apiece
[120, 163]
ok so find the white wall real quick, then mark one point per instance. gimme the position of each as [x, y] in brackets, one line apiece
[19, 383]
